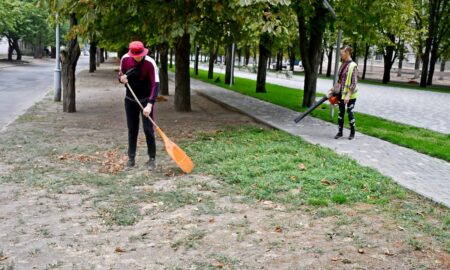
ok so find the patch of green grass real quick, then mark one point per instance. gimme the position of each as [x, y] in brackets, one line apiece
[419, 139]
[415, 243]
[190, 241]
[265, 165]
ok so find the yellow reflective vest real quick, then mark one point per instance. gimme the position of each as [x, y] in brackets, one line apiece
[348, 81]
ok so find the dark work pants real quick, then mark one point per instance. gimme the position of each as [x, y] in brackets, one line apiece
[351, 117]
[133, 112]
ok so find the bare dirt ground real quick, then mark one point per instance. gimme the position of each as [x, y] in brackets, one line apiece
[63, 192]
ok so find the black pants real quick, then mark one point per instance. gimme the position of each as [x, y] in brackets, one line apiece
[351, 117]
[133, 112]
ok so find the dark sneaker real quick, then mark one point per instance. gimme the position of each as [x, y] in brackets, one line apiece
[130, 164]
[338, 135]
[151, 164]
[352, 136]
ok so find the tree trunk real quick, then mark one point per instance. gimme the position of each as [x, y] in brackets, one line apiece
[157, 57]
[355, 52]
[388, 62]
[38, 48]
[92, 58]
[182, 78]
[10, 49]
[291, 52]
[433, 59]
[229, 62]
[16, 47]
[389, 58]
[97, 57]
[417, 66]
[321, 61]
[265, 45]
[170, 58]
[239, 53]
[366, 56]
[310, 43]
[246, 55]
[279, 64]
[53, 53]
[197, 53]
[254, 57]
[441, 76]
[330, 60]
[69, 59]
[102, 55]
[163, 72]
[212, 58]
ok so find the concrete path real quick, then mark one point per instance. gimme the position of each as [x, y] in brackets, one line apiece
[418, 108]
[418, 172]
[21, 85]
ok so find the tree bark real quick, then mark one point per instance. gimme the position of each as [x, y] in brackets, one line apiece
[97, 57]
[182, 79]
[228, 63]
[246, 55]
[92, 56]
[239, 53]
[265, 45]
[366, 56]
[170, 58]
[417, 66]
[69, 59]
[400, 60]
[433, 59]
[441, 76]
[102, 55]
[279, 64]
[291, 52]
[321, 61]
[17, 49]
[310, 43]
[197, 53]
[212, 58]
[163, 71]
[330, 60]
[389, 58]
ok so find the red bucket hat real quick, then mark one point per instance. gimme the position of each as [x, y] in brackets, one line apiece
[137, 49]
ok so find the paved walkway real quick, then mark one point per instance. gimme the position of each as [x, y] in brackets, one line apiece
[421, 173]
[418, 108]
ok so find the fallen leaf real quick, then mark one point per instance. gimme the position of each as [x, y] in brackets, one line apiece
[211, 220]
[387, 252]
[293, 177]
[401, 228]
[119, 249]
[199, 199]
[278, 229]
[361, 251]
[334, 259]
[219, 265]
[3, 258]
[325, 182]
[302, 167]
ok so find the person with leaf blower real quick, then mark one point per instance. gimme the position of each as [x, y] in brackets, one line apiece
[347, 83]
[140, 71]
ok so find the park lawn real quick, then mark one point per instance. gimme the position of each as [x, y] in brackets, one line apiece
[274, 166]
[419, 139]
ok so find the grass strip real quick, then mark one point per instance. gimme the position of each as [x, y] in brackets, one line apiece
[419, 139]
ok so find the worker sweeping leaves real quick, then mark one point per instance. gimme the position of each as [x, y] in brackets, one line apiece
[140, 71]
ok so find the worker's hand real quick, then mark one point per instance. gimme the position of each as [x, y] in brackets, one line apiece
[124, 79]
[346, 99]
[147, 110]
